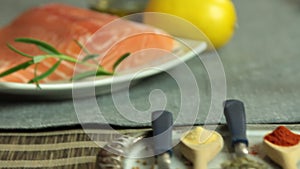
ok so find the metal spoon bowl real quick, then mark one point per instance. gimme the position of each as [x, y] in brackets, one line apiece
[235, 115]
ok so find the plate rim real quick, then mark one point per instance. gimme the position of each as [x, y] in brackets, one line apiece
[12, 87]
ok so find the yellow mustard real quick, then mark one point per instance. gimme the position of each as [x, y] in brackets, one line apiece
[199, 135]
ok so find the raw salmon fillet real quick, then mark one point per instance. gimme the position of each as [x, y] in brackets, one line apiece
[59, 25]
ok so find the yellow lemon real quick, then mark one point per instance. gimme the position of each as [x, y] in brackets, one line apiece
[215, 18]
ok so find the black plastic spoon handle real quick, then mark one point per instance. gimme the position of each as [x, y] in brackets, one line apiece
[234, 112]
[162, 125]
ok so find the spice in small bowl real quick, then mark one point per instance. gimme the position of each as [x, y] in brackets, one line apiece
[243, 163]
[283, 147]
[282, 136]
[200, 146]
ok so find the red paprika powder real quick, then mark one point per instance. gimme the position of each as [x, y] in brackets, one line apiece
[282, 136]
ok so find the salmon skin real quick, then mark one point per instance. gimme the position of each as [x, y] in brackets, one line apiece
[60, 24]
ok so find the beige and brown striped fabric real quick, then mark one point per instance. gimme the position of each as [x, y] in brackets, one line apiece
[55, 149]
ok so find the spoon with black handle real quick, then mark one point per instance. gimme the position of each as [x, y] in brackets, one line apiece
[234, 112]
[162, 122]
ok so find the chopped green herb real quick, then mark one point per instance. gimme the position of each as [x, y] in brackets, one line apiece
[243, 163]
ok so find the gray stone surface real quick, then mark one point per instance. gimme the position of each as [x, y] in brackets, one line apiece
[261, 65]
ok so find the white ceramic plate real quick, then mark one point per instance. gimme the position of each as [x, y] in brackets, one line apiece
[63, 90]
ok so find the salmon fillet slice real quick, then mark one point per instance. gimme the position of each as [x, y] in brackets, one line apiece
[60, 24]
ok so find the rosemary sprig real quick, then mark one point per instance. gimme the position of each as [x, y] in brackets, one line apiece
[123, 57]
[82, 47]
[17, 68]
[17, 51]
[40, 44]
[45, 74]
[99, 72]
[88, 56]
[40, 58]
[35, 75]
[51, 52]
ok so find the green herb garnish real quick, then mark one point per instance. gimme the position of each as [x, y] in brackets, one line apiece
[17, 68]
[120, 60]
[51, 52]
[40, 44]
[37, 78]
[243, 163]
